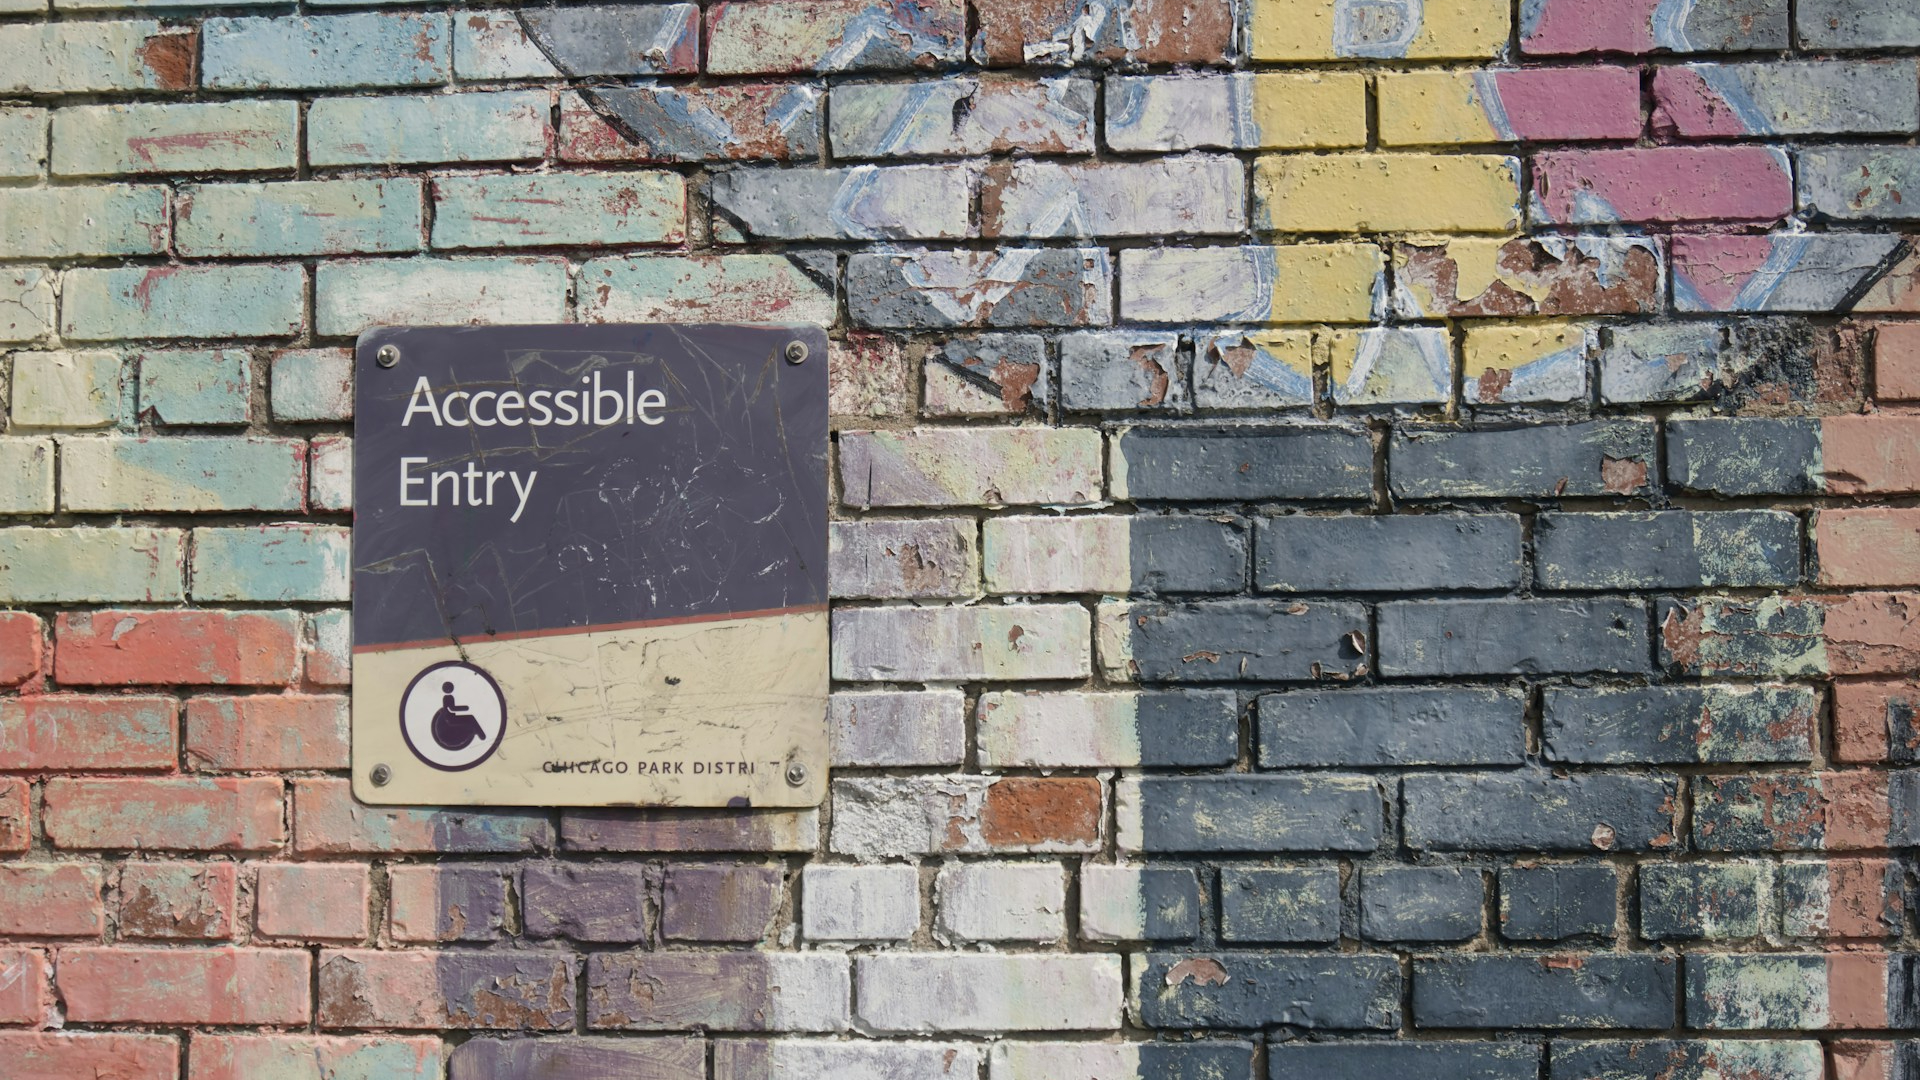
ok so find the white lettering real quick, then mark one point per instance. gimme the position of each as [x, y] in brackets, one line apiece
[406, 467]
[522, 491]
[420, 389]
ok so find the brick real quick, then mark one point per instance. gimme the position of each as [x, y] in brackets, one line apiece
[194, 386]
[880, 817]
[242, 300]
[1534, 275]
[1237, 111]
[1834, 24]
[657, 39]
[328, 660]
[861, 202]
[794, 36]
[1774, 637]
[1858, 183]
[987, 375]
[1420, 903]
[53, 732]
[1114, 555]
[313, 903]
[506, 125]
[27, 996]
[1867, 547]
[1687, 1059]
[1005, 287]
[364, 988]
[165, 814]
[568, 1058]
[720, 991]
[302, 217]
[1015, 466]
[75, 222]
[1641, 26]
[1375, 727]
[1745, 456]
[1841, 898]
[1386, 366]
[1263, 370]
[1595, 458]
[1848, 810]
[1875, 1058]
[1435, 1060]
[184, 986]
[704, 288]
[1439, 108]
[1036, 641]
[1664, 362]
[859, 903]
[1252, 990]
[1874, 721]
[1299, 812]
[21, 648]
[51, 900]
[15, 815]
[196, 648]
[1526, 812]
[930, 559]
[1592, 991]
[1679, 725]
[1242, 464]
[325, 52]
[1667, 550]
[1142, 32]
[1122, 371]
[1001, 902]
[1297, 905]
[691, 830]
[66, 390]
[1139, 903]
[352, 295]
[1386, 192]
[1696, 901]
[1664, 184]
[177, 137]
[38, 1055]
[1314, 553]
[1497, 637]
[1190, 195]
[1803, 993]
[1525, 362]
[1817, 97]
[1870, 455]
[962, 116]
[1304, 30]
[579, 208]
[91, 565]
[1337, 282]
[168, 901]
[722, 902]
[328, 821]
[791, 1059]
[908, 992]
[730, 121]
[1555, 902]
[897, 727]
[312, 1057]
[1071, 729]
[446, 903]
[27, 467]
[270, 562]
[26, 304]
[23, 143]
[1228, 641]
[868, 376]
[1820, 272]
[308, 385]
[84, 57]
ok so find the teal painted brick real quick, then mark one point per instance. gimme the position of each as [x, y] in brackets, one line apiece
[182, 473]
[169, 6]
[26, 304]
[622, 40]
[132, 302]
[79, 389]
[212, 136]
[330, 474]
[328, 51]
[279, 563]
[350, 296]
[302, 217]
[130, 564]
[93, 57]
[558, 208]
[22, 7]
[312, 384]
[71, 222]
[26, 476]
[194, 386]
[23, 142]
[508, 125]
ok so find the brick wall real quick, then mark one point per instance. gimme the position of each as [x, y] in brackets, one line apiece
[1371, 537]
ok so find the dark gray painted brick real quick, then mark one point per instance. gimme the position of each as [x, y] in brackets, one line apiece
[1236, 464]
[1854, 24]
[1404, 1061]
[1591, 991]
[1774, 637]
[1768, 812]
[1378, 727]
[1317, 812]
[1676, 1059]
[1288, 906]
[1537, 812]
[1679, 725]
[1553, 903]
[1170, 897]
[1599, 457]
[1419, 903]
[1744, 456]
[719, 903]
[1693, 901]
[1674, 549]
[569, 1058]
[1246, 640]
[1246, 990]
[1903, 807]
[1189, 728]
[1510, 637]
[587, 903]
[1196, 1061]
[1400, 553]
[1187, 554]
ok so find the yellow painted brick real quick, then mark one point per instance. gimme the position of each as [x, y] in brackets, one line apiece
[66, 389]
[1387, 193]
[1513, 345]
[1408, 29]
[1503, 363]
[1432, 108]
[1325, 283]
[1312, 111]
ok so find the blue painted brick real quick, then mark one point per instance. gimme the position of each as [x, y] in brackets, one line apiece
[325, 52]
[1399, 553]
[1287, 906]
[194, 386]
[1593, 991]
[1419, 903]
[1382, 727]
[1555, 902]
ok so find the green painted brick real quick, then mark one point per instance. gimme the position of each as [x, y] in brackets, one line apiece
[132, 302]
[280, 563]
[194, 386]
[182, 473]
[494, 126]
[26, 476]
[301, 217]
[23, 142]
[66, 389]
[26, 304]
[312, 384]
[212, 136]
[558, 208]
[130, 564]
[70, 222]
[329, 51]
[83, 57]
[352, 295]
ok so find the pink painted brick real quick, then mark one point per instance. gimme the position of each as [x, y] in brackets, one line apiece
[165, 648]
[319, 902]
[267, 732]
[20, 647]
[178, 901]
[185, 986]
[165, 815]
[26, 990]
[81, 732]
[314, 1057]
[34, 1055]
[1662, 184]
[15, 815]
[51, 900]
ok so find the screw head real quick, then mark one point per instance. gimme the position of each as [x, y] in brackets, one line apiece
[387, 355]
[796, 773]
[381, 775]
[796, 352]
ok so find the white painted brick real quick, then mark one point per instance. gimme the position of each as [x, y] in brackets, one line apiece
[1025, 555]
[859, 903]
[813, 1059]
[1111, 908]
[953, 644]
[989, 992]
[1002, 901]
[897, 727]
[879, 559]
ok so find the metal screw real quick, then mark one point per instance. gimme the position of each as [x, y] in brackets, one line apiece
[381, 774]
[796, 772]
[797, 354]
[387, 356]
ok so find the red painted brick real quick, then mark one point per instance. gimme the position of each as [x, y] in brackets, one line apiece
[268, 732]
[51, 900]
[1871, 455]
[319, 902]
[26, 987]
[313, 1057]
[16, 828]
[20, 647]
[185, 985]
[1896, 362]
[33, 1055]
[178, 900]
[165, 815]
[1878, 546]
[1861, 710]
[328, 820]
[168, 648]
[78, 731]
[1873, 633]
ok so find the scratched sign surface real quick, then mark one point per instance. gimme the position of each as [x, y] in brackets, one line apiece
[590, 566]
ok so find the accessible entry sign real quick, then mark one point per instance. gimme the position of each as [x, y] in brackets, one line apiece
[590, 566]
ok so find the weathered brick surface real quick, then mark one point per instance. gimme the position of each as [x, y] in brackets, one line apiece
[179, 900]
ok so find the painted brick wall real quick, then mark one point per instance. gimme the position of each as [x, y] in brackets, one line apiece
[1372, 537]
